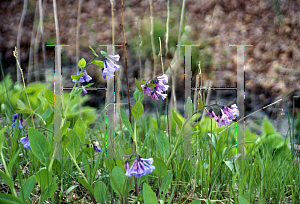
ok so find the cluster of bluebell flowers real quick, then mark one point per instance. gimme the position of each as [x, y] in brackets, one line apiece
[109, 66]
[158, 89]
[227, 114]
[25, 142]
[140, 167]
[85, 77]
[15, 118]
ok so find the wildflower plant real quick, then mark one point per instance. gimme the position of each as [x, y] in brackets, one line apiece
[155, 87]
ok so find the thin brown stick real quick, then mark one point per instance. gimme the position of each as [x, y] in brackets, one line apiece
[21, 71]
[77, 49]
[30, 66]
[35, 55]
[42, 38]
[152, 38]
[19, 36]
[167, 32]
[125, 47]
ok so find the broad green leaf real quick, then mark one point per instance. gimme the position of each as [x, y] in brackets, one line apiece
[77, 77]
[94, 51]
[138, 96]
[12, 161]
[166, 181]
[9, 199]
[74, 144]
[98, 63]
[80, 134]
[177, 120]
[120, 163]
[163, 144]
[21, 105]
[143, 81]
[27, 187]
[160, 168]
[49, 95]
[49, 191]
[148, 195]
[243, 200]
[79, 123]
[65, 141]
[117, 180]
[230, 165]
[100, 192]
[7, 180]
[137, 110]
[85, 184]
[44, 178]
[39, 144]
[126, 121]
[65, 127]
[138, 85]
[81, 64]
[47, 113]
[103, 53]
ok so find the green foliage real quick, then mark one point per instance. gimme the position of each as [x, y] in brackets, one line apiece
[148, 195]
[39, 145]
[160, 168]
[137, 110]
[118, 180]
[100, 192]
[81, 64]
[94, 52]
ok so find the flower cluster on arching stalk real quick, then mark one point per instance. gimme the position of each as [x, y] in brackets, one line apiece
[25, 142]
[155, 87]
[15, 118]
[140, 167]
[224, 114]
[108, 68]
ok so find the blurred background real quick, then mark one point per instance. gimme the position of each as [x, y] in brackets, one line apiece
[271, 65]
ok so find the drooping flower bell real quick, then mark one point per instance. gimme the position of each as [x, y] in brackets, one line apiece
[25, 142]
[109, 66]
[158, 89]
[226, 115]
[15, 118]
[85, 77]
[140, 167]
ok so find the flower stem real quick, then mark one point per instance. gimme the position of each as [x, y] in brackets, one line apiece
[72, 92]
[77, 166]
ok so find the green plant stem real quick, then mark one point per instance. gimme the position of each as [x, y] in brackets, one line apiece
[178, 138]
[77, 166]
[72, 92]
[7, 173]
[210, 156]
[16, 56]
[134, 135]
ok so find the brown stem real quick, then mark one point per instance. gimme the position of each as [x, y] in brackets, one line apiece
[125, 47]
